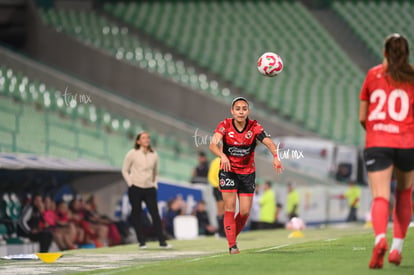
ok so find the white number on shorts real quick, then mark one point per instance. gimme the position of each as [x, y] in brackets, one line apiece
[380, 97]
[229, 182]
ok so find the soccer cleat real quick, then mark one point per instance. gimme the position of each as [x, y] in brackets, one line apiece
[378, 253]
[165, 246]
[234, 250]
[395, 257]
[142, 246]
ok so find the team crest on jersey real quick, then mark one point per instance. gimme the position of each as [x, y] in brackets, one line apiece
[249, 134]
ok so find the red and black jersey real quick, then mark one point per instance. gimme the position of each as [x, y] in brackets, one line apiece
[390, 119]
[239, 145]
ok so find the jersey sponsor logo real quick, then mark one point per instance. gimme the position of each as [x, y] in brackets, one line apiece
[390, 128]
[249, 134]
[240, 152]
[231, 134]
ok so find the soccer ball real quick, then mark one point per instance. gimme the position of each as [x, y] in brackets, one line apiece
[270, 64]
[295, 224]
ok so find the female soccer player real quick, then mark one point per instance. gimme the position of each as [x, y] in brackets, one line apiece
[237, 172]
[140, 172]
[387, 115]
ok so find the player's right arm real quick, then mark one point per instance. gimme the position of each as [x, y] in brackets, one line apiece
[363, 112]
[216, 150]
[364, 101]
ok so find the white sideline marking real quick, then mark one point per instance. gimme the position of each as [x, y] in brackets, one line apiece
[203, 258]
[271, 248]
[330, 240]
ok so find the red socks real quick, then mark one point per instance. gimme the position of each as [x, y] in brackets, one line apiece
[240, 222]
[402, 212]
[379, 214]
[230, 228]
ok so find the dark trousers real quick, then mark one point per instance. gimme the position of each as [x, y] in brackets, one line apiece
[149, 196]
[44, 238]
[352, 216]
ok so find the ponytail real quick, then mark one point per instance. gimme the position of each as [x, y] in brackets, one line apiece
[397, 52]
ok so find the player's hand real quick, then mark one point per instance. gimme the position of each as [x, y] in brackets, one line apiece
[277, 164]
[225, 163]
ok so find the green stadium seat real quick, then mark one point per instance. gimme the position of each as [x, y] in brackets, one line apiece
[181, 25]
[372, 28]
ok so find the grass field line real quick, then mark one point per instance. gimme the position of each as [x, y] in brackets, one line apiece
[273, 248]
[204, 258]
[331, 240]
[210, 254]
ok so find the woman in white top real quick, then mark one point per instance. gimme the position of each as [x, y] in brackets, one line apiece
[140, 173]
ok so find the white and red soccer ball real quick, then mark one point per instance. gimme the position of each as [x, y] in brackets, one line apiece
[295, 224]
[270, 64]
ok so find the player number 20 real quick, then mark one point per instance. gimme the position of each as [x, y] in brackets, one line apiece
[379, 112]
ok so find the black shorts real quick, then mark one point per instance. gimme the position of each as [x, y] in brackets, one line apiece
[240, 183]
[217, 194]
[380, 158]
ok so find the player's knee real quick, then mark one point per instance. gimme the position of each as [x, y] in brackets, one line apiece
[244, 212]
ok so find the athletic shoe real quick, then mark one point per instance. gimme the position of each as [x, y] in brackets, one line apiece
[234, 250]
[378, 253]
[165, 246]
[142, 246]
[395, 257]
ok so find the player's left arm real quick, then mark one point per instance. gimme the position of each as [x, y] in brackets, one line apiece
[277, 164]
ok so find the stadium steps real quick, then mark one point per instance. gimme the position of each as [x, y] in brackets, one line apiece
[100, 32]
[372, 27]
[181, 25]
[346, 37]
[34, 118]
[160, 65]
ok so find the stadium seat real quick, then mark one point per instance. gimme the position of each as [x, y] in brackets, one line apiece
[35, 118]
[372, 28]
[183, 25]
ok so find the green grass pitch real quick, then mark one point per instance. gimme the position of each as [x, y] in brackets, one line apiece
[321, 251]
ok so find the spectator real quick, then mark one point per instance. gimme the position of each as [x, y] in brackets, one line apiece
[94, 232]
[50, 217]
[72, 234]
[33, 225]
[140, 171]
[175, 207]
[204, 226]
[292, 204]
[267, 207]
[114, 237]
[200, 172]
[352, 195]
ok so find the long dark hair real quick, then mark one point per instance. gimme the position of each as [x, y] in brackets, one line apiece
[397, 52]
[137, 146]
